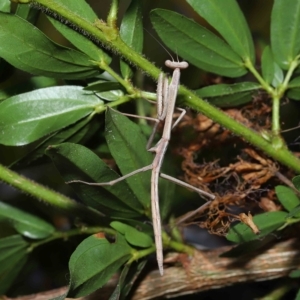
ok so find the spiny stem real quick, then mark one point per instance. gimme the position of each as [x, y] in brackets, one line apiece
[116, 43]
[40, 192]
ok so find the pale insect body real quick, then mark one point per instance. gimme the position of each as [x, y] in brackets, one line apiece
[166, 98]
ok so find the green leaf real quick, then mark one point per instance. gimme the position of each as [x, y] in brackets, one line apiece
[103, 86]
[294, 88]
[166, 201]
[141, 225]
[78, 37]
[13, 256]
[271, 71]
[285, 38]
[295, 274]
[12, 87]
[298, 295]
[106, 90]
[5, 6]
[278, 76]
[229, 95]
[131, 32]
[197, 45]
[75, 133]
[295, 82]
[287, 197]
[294, 213]
[127, 278]
[227, 18]
[94, 261]
[127, 145]
[27, 12]
[132, 235]
[77, 162]
[27, 117]
[296, 181]
[118, 290]
[112, 95]
[25, 223]
[267, 65]
[266, 222]
[39, 55]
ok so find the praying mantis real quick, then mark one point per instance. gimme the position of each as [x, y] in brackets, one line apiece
[166, 99]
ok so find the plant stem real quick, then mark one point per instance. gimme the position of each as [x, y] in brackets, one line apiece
[40, 192]
[108, 37]
[142, 253]
[177, 246]
[67, 234]
[105, 34]
[289, 74]
[126, 84]
[283, 155]
[175, 232]
[265, 86]
[276, 114]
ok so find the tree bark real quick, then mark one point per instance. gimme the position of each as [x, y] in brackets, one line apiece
[205, 270]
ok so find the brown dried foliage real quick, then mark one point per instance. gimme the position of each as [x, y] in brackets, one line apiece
[241, 181]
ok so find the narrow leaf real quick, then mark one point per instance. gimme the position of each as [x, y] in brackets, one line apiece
[112, 95]
[127, 278]
[227, 18]
[39, 55]
[267, 65]
[296, 181]
[127, 145]
[103, 86]
[278, 76]
[77, 162]
[27, 117]
[229, 95]
[287, 197]
[131, 32]
[94, 261]
[266, 223]
[294, 90]
[28, 13]
[77, 36]
[167, 195]
[197, 45]
[13, 256]
[25, 223]
[295, 82]
[285, 38]
[106, 90]
[294, 213]
[118, 290]
[74, 133]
